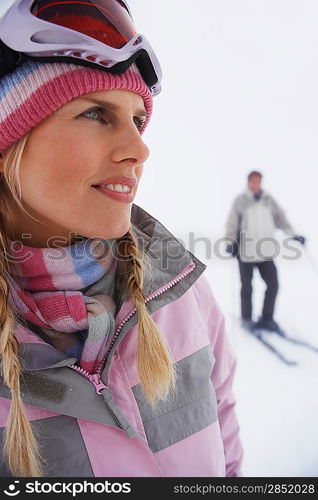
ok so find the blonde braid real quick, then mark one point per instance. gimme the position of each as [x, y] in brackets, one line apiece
[154, 363]
[20, 447]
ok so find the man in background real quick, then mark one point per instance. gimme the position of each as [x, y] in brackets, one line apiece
[250, 228]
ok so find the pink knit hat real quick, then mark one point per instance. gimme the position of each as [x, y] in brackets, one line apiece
[35, 90]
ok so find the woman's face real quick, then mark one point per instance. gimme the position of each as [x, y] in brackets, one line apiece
[92, 138]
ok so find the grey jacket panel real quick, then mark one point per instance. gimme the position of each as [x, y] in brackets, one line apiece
[42, 356]
[62, 448]
[62, 390]
[191, 408]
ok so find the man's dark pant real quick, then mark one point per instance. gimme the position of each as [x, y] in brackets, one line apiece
[268, 272]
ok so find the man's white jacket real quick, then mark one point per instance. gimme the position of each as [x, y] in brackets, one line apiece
[252, 223]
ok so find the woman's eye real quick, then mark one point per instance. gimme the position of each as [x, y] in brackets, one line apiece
[98, 115]
[139, 122]
[94, 114]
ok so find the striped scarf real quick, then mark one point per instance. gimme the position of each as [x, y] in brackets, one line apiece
[68, 293]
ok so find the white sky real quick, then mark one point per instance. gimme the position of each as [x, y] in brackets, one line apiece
[239, 93]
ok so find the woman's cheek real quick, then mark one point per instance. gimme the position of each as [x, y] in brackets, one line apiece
[139, 171]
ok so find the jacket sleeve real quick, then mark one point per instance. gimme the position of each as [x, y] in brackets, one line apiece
[233, 222]
[280, 219]
[222, 378]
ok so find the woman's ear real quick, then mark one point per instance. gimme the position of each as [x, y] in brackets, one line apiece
[1, 162]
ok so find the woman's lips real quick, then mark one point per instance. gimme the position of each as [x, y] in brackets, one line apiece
[115, 195]
[122, 180]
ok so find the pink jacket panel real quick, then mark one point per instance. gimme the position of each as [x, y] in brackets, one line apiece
[119, 456]
[199, 455]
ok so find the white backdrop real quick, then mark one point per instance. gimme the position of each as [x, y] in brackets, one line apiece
[239, 93]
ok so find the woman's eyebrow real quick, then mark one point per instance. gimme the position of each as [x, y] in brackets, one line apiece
[109, 106]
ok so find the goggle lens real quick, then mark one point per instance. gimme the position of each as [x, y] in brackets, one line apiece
[108, 21]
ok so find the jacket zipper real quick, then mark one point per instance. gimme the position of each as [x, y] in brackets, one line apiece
[107, 395]
[95, 378]
[155, 294]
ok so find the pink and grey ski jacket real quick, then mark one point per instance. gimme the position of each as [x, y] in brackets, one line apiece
[102, 425]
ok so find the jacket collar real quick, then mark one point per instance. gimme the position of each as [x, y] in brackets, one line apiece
[168, 257]
[250, 194]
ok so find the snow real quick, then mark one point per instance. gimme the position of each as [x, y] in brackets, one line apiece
[276, 404]
[240, 93]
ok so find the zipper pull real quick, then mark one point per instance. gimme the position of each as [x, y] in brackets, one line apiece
[98, 383]
[109, 400]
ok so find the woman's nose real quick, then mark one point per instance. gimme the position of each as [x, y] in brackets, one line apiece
[130, 147]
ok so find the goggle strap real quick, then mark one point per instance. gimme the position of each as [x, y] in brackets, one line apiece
[141, 58]
[9, 59]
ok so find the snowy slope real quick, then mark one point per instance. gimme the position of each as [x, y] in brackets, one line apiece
[277, 405]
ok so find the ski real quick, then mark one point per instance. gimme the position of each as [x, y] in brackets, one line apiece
[259, 334]
[262, 335]
[294, 340]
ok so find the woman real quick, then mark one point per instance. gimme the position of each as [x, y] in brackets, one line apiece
[114, 356]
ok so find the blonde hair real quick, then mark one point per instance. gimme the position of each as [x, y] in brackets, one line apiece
[155, 367]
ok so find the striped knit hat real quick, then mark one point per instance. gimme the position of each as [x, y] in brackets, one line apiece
[35, 90]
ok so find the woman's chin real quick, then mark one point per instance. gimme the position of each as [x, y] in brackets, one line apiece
[110, 233]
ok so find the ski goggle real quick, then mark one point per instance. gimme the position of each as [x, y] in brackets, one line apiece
[88, 32]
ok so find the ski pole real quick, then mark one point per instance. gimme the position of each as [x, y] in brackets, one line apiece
[311, 260]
